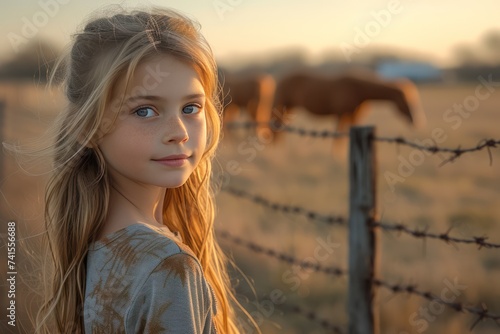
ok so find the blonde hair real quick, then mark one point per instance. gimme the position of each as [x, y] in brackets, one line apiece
[108, 49]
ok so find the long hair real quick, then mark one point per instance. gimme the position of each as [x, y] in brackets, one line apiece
[109, 49]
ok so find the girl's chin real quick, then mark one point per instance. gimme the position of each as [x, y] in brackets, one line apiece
[173, 184]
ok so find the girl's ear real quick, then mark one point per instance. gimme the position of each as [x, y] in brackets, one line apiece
[84, 141]
[92, 142]
[89, 144]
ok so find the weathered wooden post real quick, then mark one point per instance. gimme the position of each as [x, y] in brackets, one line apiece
[363, 318]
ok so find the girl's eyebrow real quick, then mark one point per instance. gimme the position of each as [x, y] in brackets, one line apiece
[194, 96]
[160, 98]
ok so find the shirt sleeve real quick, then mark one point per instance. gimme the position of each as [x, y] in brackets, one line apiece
[175, 298]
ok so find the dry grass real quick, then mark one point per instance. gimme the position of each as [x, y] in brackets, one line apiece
[302, 171]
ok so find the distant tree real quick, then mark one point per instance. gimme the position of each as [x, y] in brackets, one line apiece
[33, 63]
[289, 60]
[467, 55]
[485, 53]
[491, 44]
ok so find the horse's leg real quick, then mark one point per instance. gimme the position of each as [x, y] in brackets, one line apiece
[340, 144]
[263, 110]
[344, 122]
[230, 114]
[360, 112]
[258, 114]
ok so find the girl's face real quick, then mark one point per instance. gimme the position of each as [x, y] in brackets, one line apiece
[159, 135]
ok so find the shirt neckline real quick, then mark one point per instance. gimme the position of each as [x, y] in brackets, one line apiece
[108, 238]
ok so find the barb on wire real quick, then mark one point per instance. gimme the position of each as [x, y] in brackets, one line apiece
[330, 220]
[479, 241]
[313, 133]
[288, 128]
[335, 271]
[482, 313]
[455, 152]
[313, 317]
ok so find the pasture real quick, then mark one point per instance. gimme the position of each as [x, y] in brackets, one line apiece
[463, 195]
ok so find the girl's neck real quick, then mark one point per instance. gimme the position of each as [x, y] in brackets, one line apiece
[132, 205]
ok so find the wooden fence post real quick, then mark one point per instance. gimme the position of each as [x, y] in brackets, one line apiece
[363, 318]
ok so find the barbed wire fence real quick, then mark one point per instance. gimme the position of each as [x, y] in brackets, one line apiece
[363, 231]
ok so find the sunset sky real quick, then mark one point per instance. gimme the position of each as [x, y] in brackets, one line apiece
[242, 29]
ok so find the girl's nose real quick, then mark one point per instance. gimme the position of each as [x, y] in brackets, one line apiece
[175, 131]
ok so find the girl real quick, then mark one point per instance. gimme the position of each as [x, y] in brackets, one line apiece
[129, 208]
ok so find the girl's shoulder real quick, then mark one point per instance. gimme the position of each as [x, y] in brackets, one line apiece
[136, 245]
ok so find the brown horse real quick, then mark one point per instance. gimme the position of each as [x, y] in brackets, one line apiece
[254, 94]
[345, 97]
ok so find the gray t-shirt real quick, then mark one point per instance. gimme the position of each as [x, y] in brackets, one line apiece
[139, 280]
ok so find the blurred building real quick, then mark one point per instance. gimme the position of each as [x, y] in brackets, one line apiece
[414, 71]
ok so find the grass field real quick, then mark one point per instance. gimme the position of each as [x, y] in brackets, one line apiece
[463, 195]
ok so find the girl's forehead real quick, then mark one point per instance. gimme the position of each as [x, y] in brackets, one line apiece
[161, 74]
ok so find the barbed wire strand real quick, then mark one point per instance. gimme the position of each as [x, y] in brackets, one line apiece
[479, 241]
[455, 152]
[339, 220]
[334, 271]
[259, 200]
[482, 313]
[288, 128]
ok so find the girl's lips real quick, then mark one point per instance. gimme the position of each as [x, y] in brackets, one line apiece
[176, 160]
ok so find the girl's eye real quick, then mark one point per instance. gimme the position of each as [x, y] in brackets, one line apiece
[191, 109]
[145, 112]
